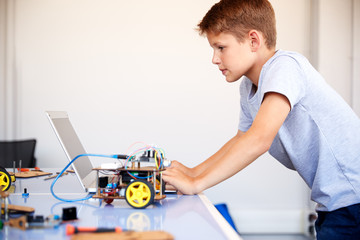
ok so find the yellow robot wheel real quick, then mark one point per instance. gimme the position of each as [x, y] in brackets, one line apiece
[139, 194]
[5, 179]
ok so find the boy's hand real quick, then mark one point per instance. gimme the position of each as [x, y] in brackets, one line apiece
[178, 176]
[182, 167]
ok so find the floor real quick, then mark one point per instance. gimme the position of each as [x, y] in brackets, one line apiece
[275, 237]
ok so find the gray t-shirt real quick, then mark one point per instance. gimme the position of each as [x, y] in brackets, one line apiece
[320, 138]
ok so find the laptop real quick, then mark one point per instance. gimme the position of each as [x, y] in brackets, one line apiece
[72, 147]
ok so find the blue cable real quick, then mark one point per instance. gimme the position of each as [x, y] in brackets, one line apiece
[66, 167]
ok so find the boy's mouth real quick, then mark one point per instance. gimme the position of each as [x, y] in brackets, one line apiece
[223, 71]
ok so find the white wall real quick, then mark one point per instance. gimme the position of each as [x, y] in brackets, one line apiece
[356, 56]
[2, 67]
[124, 71]
[131, 71]
[335, 45]
[8, 88]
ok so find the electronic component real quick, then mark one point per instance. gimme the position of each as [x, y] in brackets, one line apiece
[25, 222]
[69, 214]
[114, 165]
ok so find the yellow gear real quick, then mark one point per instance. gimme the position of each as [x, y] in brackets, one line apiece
[5, 179]
[139, 194]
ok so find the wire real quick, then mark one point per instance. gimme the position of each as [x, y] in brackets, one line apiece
[66, 167]
[156, 161]
[157, 151]
[135, 144]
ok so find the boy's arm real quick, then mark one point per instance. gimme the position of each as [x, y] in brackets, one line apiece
[240, 152]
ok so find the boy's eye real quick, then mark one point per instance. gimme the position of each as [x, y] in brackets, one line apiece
[221, 48]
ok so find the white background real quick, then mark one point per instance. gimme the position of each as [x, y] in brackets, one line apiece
[130, 71]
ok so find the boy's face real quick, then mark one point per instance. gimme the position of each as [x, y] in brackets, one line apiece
[233, 58]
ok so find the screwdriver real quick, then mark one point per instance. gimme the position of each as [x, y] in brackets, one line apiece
[70, 229]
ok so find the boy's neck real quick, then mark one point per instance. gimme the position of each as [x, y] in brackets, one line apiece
[263, 55]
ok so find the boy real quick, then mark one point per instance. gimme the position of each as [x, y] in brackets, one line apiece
[286, 109]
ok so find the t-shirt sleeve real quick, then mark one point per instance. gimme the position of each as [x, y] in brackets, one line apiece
[285, 76]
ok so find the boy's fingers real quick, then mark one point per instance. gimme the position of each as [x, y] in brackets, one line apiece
[169, 172]
[169, 187]
[173, 164]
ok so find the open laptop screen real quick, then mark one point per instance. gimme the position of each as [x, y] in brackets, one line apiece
[72, 146]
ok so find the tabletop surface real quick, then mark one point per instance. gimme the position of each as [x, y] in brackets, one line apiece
[183, 216]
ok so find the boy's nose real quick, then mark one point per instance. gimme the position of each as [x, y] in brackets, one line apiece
[215, 59]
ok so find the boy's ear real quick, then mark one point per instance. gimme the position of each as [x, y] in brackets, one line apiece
[255, 40]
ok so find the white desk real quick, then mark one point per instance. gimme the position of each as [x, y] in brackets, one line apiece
[185, 217]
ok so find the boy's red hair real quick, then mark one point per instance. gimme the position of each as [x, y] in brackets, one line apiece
[238, 17]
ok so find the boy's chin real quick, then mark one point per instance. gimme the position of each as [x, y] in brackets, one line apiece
[231, 79]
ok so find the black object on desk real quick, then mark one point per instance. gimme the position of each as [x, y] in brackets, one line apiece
[23, 150]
